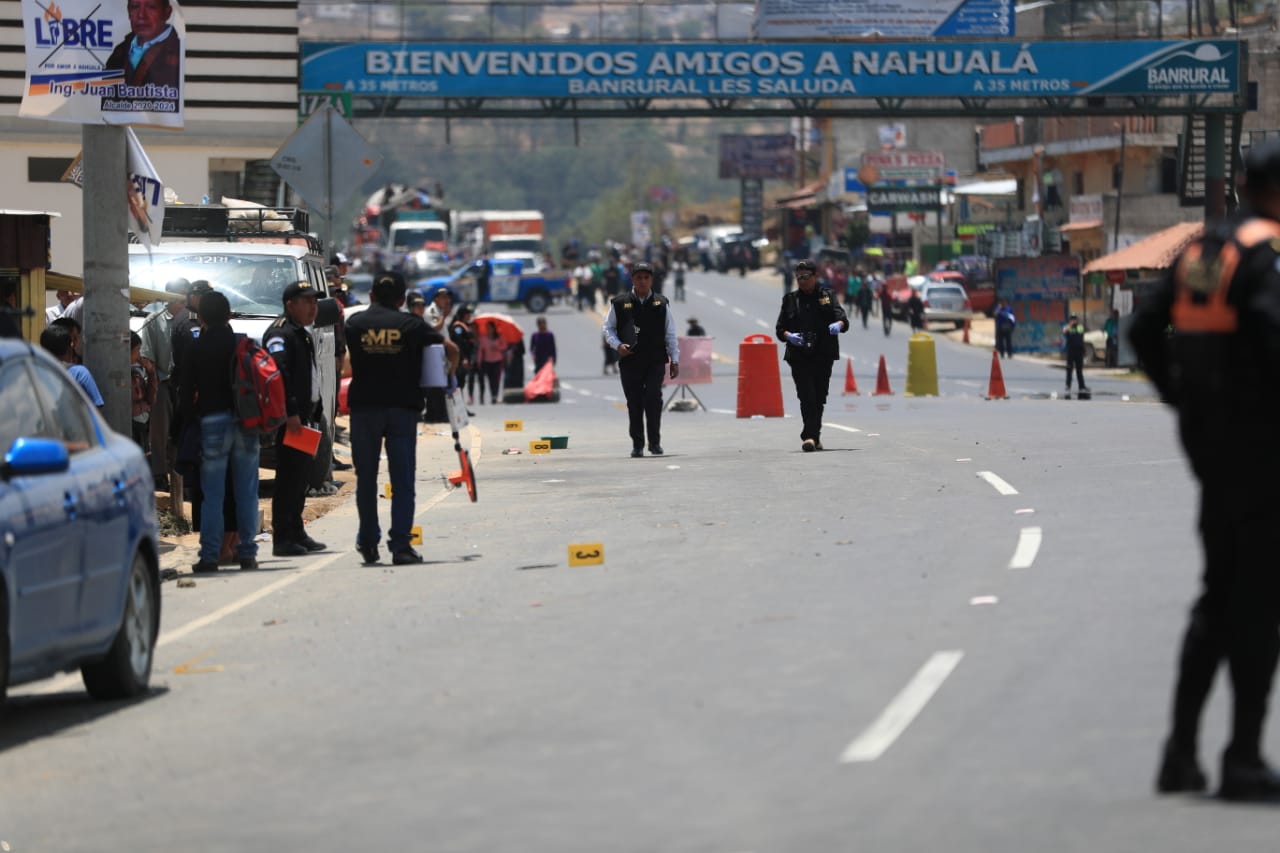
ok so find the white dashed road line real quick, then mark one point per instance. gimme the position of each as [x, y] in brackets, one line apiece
[904, 708]
[720, 302]
[739, 312]
[762, 324]
[840, 426]
[1024, 555]
[999, 485]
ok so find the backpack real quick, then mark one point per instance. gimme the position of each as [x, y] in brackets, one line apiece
[257, 387]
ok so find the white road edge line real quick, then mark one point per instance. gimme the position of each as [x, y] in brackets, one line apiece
[1000, 485]
[71, 680]
[1029, 539]
[840, 426]
[904, 708]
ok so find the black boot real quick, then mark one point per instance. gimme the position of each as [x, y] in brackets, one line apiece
[1248, 780]
[1180, 772]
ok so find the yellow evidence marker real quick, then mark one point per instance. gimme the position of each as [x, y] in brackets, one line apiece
[513, 426]
[586, 554]
[386, 491]
[415, 535]
[541, 446]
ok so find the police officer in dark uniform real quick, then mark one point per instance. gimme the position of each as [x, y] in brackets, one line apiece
[640, 327]
[1220, 368]
[291, 345]
[386, 346]
[809, 320]
[187, 328]
[1073, 344]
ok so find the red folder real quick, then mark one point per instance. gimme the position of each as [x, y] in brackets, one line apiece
[304, 439]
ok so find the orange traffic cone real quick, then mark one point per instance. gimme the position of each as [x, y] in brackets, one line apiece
[882, 381]
[850, 384]
[996, 389]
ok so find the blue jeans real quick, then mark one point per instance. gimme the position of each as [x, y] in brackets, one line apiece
[399, 428]
[223, 443]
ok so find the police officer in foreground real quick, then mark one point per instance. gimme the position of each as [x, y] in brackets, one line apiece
[809, 320]
[294, 351]
[385, 397]
[640, 327]
[1220, 368]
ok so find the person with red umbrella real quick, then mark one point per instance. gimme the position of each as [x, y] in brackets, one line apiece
[640, 327]
[491, 354]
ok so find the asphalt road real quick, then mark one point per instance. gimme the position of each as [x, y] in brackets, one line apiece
[953, 629]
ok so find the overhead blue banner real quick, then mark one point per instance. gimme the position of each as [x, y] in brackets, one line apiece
[806, 19]
[919, 69]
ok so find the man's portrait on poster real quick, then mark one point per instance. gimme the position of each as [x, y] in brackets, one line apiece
[151, 59]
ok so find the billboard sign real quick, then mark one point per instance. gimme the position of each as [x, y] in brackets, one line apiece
[905, 165]
[903, 199]
[758, 156]
[885, 18]
[1039, 291]
[826, 70]
[86, 64]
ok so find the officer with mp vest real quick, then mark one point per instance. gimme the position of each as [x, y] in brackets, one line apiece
[809, 321]
[640, 327]
[386, 347]
[294, 350]
[1209, 339]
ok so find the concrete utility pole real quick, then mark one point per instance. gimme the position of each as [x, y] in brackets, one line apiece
[106, 271]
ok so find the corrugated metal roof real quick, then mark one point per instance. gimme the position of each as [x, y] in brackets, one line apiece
[1157, 252]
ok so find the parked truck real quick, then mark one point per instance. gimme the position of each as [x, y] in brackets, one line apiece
[496, 231]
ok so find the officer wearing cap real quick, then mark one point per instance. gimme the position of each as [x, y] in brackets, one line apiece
[808, 321]
[1073, 345]
[184, 330]
[294, 351]
[386, 399]
[640, 327]
[1220, 367]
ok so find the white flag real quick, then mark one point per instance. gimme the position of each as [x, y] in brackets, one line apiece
[145, 192]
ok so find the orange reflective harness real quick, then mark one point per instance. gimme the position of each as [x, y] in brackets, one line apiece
[1211, 279]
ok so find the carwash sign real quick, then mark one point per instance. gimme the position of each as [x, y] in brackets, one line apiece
[979, 69]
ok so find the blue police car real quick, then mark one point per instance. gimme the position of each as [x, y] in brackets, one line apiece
[79, 570]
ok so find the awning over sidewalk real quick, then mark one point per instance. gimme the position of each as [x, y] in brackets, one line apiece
[1008, 186]
[804, 197]
[75, 284]
[1157, 252]
[1086, 225]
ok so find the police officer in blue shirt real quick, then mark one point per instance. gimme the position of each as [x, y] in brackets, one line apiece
[294, 351]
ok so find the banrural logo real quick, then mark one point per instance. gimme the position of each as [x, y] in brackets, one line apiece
[1199, 69]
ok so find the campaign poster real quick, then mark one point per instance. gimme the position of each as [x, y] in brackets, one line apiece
[104, 61]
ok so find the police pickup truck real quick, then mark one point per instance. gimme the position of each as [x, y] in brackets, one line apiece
[508, 282]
